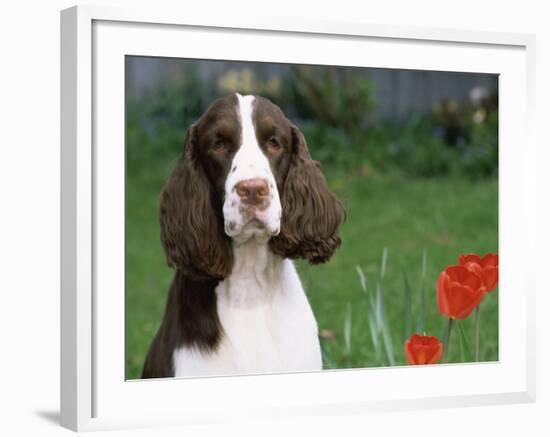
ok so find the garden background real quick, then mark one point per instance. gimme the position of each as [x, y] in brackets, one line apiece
[413, 155]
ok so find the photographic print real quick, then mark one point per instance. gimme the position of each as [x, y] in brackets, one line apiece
[295, 218]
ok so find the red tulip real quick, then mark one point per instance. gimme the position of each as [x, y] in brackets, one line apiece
[459, 291]
[423, 349]
[486, 268]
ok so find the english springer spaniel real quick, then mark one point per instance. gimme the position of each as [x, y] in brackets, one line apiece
[244, 199]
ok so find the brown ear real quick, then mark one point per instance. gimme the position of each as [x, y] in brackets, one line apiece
[311, 213]
[191, 221]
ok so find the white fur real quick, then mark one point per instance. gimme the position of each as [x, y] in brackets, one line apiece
[249, 163]
[267, 322]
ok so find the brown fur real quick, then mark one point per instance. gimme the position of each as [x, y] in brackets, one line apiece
[191, 220]
[191, 319]
[311, 212]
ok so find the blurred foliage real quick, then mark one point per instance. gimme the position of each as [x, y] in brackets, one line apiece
[335, 109]
[418, 148]
[156, 123]
[245, 82]
[335, 97]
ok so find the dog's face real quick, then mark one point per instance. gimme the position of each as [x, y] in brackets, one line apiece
[244, 145]
[245, 173]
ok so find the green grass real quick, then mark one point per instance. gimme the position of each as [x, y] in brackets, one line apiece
[443, 217]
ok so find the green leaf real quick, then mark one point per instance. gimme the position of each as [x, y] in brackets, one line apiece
[347, 331]
[378, 324]
[465, 351]
[328, 360]
[447, 340]
[421, 309]
[378, 307]
[408, 306]
[383, 326]
[362, 279]
[384, 262]
[371, 312]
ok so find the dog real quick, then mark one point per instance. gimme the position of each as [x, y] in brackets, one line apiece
[244, 200]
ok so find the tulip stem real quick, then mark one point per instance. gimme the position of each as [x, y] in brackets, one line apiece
[476, 317]
[447, 340]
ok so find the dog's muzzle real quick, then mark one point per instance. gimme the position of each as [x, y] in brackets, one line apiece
[252, 208]
[254, 193]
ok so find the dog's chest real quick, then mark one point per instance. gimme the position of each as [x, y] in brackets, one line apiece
[268, 326]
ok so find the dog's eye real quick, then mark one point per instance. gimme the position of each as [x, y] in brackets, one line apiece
[273, 144]
[219, 145]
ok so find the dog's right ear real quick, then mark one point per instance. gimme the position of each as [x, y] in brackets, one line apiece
[192, 231]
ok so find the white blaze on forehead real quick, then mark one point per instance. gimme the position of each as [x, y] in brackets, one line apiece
[249, 163]
[245, 112]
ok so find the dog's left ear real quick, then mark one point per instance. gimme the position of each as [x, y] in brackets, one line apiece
[311, 213]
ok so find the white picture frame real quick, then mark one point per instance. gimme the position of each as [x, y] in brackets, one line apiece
[94, 394]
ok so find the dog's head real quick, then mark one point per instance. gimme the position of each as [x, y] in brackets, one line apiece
[245, 173]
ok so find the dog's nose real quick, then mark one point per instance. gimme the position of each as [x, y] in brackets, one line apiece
[252, 191]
